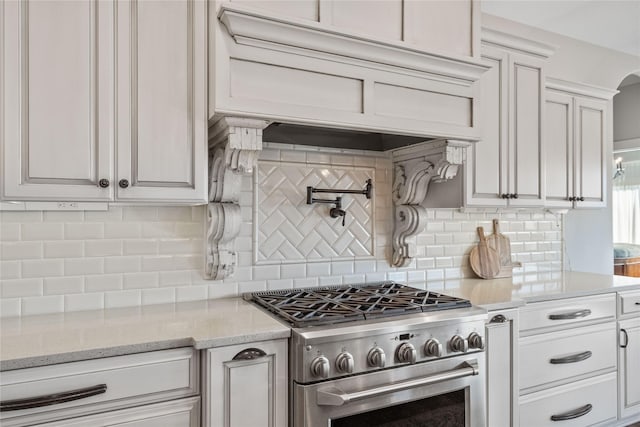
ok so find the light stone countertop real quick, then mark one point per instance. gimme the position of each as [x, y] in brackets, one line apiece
[57, 338]
[511, 292]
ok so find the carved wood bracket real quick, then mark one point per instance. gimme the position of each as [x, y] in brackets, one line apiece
[234, 146]
[415, 167]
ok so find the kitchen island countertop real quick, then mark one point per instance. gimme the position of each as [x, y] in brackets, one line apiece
[64, 337]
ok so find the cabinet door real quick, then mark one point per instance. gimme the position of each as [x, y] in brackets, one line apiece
[58, 83]
[174, 413]
[558, 129]
[246, 385]
[629, 367]
[591, 147]
[526, 90]
[502, 362]
[486, 166]
[162, 116]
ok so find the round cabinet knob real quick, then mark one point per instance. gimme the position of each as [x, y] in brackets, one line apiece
[124, 183]
[458, 343]
[475, 341]
[433, 348]
[376, 358]
[344, 363]
[407, 353]
[103, 183]
[320, 367]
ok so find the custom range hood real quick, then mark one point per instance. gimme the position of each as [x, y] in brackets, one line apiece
[320, 74]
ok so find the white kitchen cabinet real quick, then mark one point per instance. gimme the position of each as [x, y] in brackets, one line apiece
[629, 353]
[105, 101]
[502, 368]
[246, 385]
[80, 390]
[567, 362]
[505, 168]
[576, 148]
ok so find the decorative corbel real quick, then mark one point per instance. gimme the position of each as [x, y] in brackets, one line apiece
[234, 146]
[415, 167]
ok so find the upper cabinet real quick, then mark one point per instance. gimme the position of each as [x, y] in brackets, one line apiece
[390, 66]
[577, 140]
[505, 168]
[105, 101]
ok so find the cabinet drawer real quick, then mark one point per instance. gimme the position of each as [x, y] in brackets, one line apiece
[595, 398]
[629, 302]
[97, 385]
[554, 314]
[557, 356]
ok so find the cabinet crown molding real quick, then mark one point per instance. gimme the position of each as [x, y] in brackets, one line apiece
[582, 89]
[252, 27]
[512, 42]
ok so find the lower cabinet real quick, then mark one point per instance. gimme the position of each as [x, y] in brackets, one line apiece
[629, 354]
[177, 413]
[246, 385]
[502, 368]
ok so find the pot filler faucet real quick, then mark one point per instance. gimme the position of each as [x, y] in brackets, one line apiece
[337, 211]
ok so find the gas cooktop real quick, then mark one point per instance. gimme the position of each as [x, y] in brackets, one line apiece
[345, 303]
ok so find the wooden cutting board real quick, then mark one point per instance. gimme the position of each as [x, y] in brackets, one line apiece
[502, 245]
[484, 260]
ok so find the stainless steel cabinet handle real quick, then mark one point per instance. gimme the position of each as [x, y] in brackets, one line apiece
[249, 354]
[570, 315]
[576, 413]
[626, 339]
[333, 396]
[499, 318]
[52, 399]
[578, 357]
[637, 303]
[103, 183]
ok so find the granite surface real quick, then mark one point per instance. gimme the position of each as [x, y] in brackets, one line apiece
[56, 338]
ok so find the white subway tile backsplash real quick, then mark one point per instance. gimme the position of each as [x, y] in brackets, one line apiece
[63, 285]
[42, 231]
[80, 302]
[42, 268]
[126, 256]
[101, 248]
[18, 288]
[20, 250]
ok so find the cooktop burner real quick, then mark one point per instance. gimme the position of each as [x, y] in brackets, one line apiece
[345, 303]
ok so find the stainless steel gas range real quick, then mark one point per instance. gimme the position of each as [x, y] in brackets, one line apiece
[381, 354]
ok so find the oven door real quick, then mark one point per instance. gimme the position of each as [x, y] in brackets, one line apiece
[447, 392]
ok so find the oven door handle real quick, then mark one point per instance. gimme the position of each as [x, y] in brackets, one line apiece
[336, 397]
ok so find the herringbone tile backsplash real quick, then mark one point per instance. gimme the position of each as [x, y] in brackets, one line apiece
[129, 256]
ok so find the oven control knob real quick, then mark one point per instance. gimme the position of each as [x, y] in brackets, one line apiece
[476, 341]
[433, 348]
[407, 353]
[320, 367]
[376, 358]
[458, 343]
[344, 363]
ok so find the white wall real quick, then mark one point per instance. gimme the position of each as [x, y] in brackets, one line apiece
[626, 113]
[127, 256]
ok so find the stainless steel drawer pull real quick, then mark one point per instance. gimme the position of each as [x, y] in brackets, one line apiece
[637, 303]
[571, 359]
[335, 397]
[570, 315]
[576, 413]
[52, 399]
[250, 354]
[499, 318]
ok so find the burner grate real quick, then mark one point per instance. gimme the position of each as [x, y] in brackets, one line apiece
[337, 304]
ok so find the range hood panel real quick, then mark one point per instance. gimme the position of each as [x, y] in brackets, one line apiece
[339, 138]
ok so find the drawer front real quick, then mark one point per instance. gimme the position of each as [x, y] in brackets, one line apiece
[592, 401]
[98, 385]
[629, 302]
[557, 356]
[570, 311]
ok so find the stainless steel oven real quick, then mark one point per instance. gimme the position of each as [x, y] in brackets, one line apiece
[382, 355]
[446, 393]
